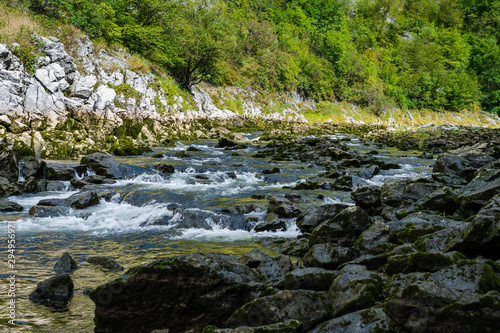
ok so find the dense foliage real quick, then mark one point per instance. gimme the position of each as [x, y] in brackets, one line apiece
[435, 54]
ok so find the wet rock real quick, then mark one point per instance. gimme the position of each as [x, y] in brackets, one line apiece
[291, 247]
[482, 236]
[457, 167]
[426, 155]
[312, 184]
[48, 211]
[272, 268]
[354, 289]
[179, 294]
[8, 165]
[460, 298]
[378, 233]
[406, 192]
[343, 229]
[105, 262]
[225, 142]
[271, 171]
[106, 165]
[369, 172]
[371, 320]
[84, 200]
[55, 186]
[66, 264]
[30, 185]
[368, 198]
[57, 171]
[417, 262]
[54, 292]
[165, 168]
[270, 226]
[328, 256]
[9, 206]
[31, 167]
[307, 306]
[311, 278]
[313, 216]
[482, 188]
[287, 326]
[282, 207]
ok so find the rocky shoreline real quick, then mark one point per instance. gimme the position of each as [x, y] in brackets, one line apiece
[416, 255]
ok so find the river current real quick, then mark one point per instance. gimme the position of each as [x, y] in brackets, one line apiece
[144, 221]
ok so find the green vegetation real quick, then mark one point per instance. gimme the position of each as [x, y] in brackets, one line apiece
[378, 54]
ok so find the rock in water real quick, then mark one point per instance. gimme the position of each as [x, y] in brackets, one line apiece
[54, 292]
[65, 264]
[8, 165]
[106, 263]
[179, 294]
[9, 206]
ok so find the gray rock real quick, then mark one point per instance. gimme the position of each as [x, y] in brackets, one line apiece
[369, 172]
[9, 206]
[55, 185]
[307, 306]
[65, 264]
[482, 188]
[32, 167]
[373, 320]
[105, 98]
[378, 233]
[406, 192]
[54, 292]
[8, 165]
[57, 171]
[368, 198]
[106, 165]
[48, 211]
[313, 216]
[327, 256]
[83, 200]
[287, 326]
[282, 207]
[311, 278]
[272, 268]
[83, 87]
[179, 294]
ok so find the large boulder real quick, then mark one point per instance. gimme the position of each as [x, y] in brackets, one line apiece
[406, 192]
[307, 306]
[368, 198]
[272, 268]
[463, 297]
[65, 264]
[9, 206]
[311, 278]
[178, 294]
[106, 165]
[313, 216]
[282, 207]
[58, 171]
[328, 256]
[8, 165]
[482, 188]
[54, 292]
[373, 320]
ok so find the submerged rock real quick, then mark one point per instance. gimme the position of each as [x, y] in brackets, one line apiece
[106, 165]
[65, 264]
[54, 292]
[105, 262]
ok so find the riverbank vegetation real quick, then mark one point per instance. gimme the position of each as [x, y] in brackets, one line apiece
[380, 55]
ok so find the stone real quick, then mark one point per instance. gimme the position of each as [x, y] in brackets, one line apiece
[54, 292]
[84, 200]
[307, 306]
[368, 198]
[310, 278]
[106, 165]
[65, 264]
[55, 186]
[315, 215]
[225, 142]
[328, 256]
[105, 262]
[165, 168]
[272, 268]
[8, 165]
[9, 206]
[32, 167]
[83, 87]
[58, 171]
[369, 172]
[105, 98]
[179, 294]
[282, 207]
[406, 192]
[372, 320]
[287, 326]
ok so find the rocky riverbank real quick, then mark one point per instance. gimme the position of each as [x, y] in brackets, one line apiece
[414, 255]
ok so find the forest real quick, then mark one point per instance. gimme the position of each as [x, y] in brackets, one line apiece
[410, 54]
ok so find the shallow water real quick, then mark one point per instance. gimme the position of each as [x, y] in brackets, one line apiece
[141, 222]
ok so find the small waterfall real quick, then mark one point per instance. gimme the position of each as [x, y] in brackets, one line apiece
[20, 177]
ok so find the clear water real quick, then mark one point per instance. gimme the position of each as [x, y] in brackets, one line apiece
[125, 228]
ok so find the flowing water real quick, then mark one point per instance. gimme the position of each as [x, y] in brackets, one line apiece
[210, 204]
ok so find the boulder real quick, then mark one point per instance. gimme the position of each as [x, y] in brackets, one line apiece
[313, 216]
[105, 262]
[225, 142]
[462, 297]
[272, 268]
[106, 165]
[55, 185]
[83, 200]
[343, 229]
[311, 278]
[270, 226]
[178, 294]
[282, 207]
[368, 198]
[372, 320]
[369, 172]
[65, 264]
[378, 233]
[287, 326]
[307, 306]
[328, 256]
[165, 168]
[31, 167]
[418, 262]
[8, 165]
[354, 289]
[482, 188]
[406, 192]
[57, 171]
[7, 206]
[54, 292]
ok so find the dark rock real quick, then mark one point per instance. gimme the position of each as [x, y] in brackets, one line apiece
[417, 262]
[405, 192]
[181, 154]
[31, 167]
[311, 278]
[343, 229]
[270, 226]
[313, 216]
[105, 262]
[78, 183]
[105, 165]
[371, 320]
[165, 168]
[369, 172]
[179, 294]
[65, 264]
[426, 155]
[57, 171]
[193, 149]
[225, 142]
[8, 165]
[282, 207]
[83, 200]
[328, 256]
[55, 185]
[482, 236]
[354, 289]
[30, 185]
[48, 211]
[460, 298]
[9, 206]
[307, 306]
[290, 247]
[272, 268]
[368, 198]
[482, 188]
[378, 233]
[271, 171]
[94, 179]
[287, 326]
[54, 292]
